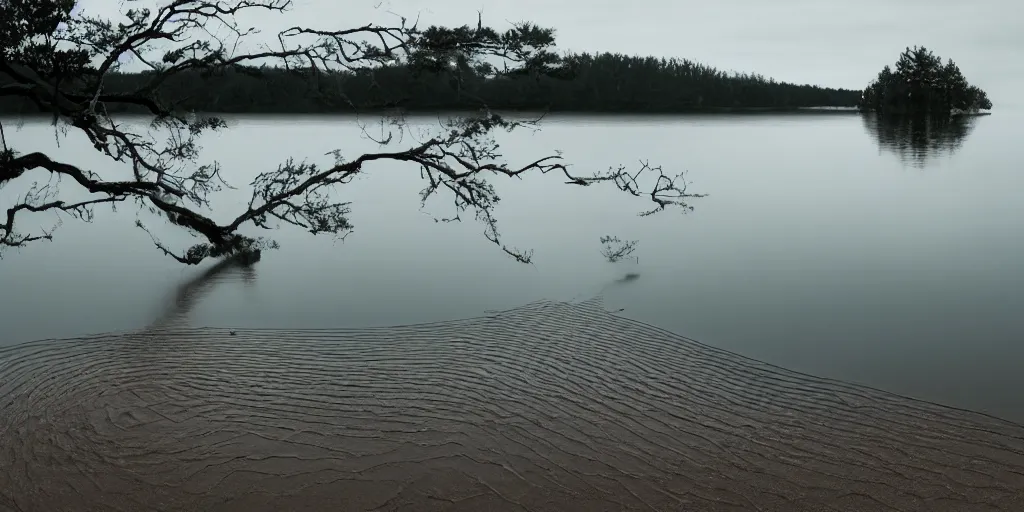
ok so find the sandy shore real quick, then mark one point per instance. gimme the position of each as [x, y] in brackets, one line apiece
[552, 406]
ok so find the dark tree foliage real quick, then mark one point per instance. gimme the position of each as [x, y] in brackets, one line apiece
[70, 66]
[922, 84]
[436, 81]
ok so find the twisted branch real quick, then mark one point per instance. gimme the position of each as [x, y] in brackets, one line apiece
[166, 176]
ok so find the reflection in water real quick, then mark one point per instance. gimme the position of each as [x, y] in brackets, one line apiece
[915, 139]
[550, 406]
[632, 276]
[188, 293]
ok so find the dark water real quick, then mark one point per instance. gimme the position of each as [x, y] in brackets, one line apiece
[919, 139]
[881, 254]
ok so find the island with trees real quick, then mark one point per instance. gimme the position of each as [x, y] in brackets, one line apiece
[922, 84]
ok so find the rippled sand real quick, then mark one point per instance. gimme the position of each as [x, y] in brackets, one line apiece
[551, 406]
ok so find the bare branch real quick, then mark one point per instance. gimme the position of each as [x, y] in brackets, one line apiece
[81, 210]
[3, 139]
[63, 64]
[615, 249]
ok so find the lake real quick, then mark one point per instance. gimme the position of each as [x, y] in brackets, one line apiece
[829, 244]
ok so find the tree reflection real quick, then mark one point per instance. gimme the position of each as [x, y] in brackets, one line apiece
[188, 293]
[916, 139]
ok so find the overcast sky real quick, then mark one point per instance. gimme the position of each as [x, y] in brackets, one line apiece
[840, 43]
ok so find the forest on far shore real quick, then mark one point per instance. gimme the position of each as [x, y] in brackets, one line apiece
[592, 83]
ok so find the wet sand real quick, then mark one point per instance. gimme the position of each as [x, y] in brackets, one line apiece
[551, 406]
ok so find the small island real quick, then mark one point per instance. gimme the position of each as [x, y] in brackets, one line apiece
[921, 84]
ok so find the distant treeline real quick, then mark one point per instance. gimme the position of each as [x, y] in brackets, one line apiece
[591, 83]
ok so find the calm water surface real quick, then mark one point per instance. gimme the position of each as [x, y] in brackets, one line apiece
[888, 255]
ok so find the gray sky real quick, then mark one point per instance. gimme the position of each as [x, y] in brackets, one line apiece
[840, 43]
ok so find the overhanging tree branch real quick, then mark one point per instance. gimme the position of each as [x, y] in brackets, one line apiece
[61, 62]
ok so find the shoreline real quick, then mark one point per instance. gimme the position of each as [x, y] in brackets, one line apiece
[724, 111]
[430, 111]
[549, 406]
